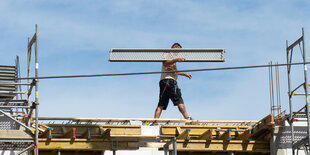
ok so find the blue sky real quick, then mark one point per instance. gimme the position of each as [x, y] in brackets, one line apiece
[75, 38]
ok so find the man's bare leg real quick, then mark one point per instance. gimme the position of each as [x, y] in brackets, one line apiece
[158, 111]
[183, 111]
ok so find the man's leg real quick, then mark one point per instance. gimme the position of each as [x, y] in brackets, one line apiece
[158, 111]
[183, 111]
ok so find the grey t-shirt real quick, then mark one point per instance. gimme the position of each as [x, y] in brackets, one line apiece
[169, 56]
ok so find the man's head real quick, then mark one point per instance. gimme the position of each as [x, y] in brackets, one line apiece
[176, 45]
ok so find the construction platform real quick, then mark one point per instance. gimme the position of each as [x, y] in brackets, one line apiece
[94, 136]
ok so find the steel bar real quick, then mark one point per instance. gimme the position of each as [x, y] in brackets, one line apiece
[28, 64]
[31, 147]
[7, 68]
[297, 88]
[145, 73]
[300, 94]
[33, 39]
[12, 101]
[269, 69]
[26, 107]
[300, 110]
[306, 84]
[159, 55]
[175, 151]
[36, 92]
[11, 92]
[289, 90]
[15, 83]
[295, 43]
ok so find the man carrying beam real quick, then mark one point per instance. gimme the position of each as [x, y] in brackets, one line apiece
[168, 85]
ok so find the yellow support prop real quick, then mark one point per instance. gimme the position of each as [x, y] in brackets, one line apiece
[87, 133]
[246, 135]
[226, 135]
[184, 134]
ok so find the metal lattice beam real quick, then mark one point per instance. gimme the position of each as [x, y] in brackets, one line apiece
[157, 55]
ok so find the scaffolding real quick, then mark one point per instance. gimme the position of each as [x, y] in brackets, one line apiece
[298, 142]
[19, 135]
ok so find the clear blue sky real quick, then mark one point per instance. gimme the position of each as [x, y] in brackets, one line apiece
[75, 38]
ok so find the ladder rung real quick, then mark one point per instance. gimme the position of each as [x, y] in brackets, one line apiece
[8, 84]
[10, 92]
[7, 78]
[7, 72]
[1, 106]
[7, 75]
[1, 66]
[7, 88]
[300, 94]
[12, 101]
[7, 95]
[7, 69]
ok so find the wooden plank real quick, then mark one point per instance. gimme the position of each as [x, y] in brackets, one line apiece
[149, 120]
[182, 145]
[95, 129]
[222, 146]
[83, 145]
[263, 126]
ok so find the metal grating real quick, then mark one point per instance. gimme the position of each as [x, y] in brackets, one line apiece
[158, 55]
[17, 145]
[7, 123]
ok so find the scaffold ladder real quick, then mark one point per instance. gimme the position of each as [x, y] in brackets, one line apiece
[298, 142]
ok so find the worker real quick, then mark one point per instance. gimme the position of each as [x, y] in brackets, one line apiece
[168, 84]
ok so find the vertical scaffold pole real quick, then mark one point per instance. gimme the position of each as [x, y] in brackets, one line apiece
[37, 93]
[175, 152]
[28, 69]
[306, 84]
[289, 58]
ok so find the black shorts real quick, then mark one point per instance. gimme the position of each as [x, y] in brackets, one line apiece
[169, 90]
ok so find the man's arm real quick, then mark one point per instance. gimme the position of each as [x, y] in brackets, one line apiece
[185, 74]
[170, 62]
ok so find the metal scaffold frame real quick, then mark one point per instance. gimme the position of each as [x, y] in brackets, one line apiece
[305, 141]
[20, 135]
[34, 41]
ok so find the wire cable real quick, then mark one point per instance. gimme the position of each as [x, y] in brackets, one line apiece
[143, 73]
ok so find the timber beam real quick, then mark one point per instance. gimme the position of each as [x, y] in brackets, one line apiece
[222, 146]
[83, 144]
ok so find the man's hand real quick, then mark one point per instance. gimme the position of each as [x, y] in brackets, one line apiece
[180, 59]
[185, 74]
[188, 75]
[170, 62]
